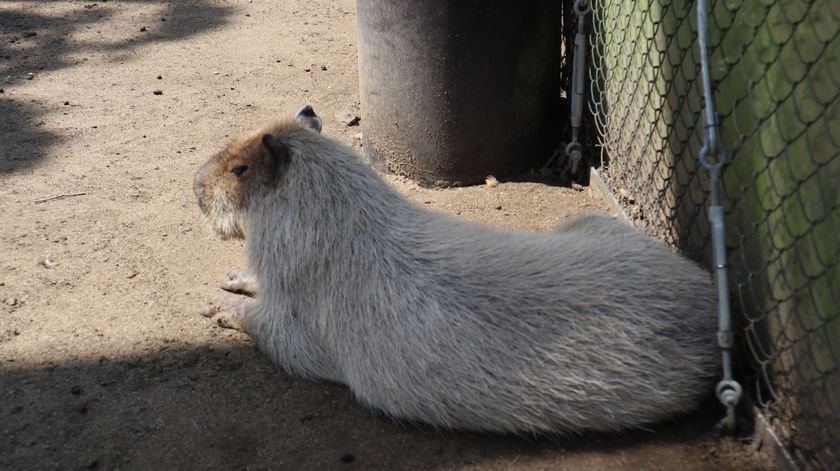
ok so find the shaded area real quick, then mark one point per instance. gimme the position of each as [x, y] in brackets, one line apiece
[23, 140]
[228, 408]
[32, 42]
[48, 48]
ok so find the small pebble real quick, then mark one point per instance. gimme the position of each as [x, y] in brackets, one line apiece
[2, 90]
[15, 332]
[47, 262]
[323, 67]
[66, 103]
[76, 390]
[347, 117]
[157, 92]
[490, 181]
[499, 208]
[142, 29]
[11, 301]
[159, 77]
[307, 69]
[347, 458]
[30, 76]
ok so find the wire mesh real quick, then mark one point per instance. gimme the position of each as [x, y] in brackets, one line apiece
[776, 74]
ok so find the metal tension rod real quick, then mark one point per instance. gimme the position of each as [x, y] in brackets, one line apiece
[713, 156]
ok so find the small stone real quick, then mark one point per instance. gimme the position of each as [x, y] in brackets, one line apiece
[323, 67]
[490, 181]
[47, 262]
[11, 301]
[499, 208]
[132, 274]
[2, 90]
[247, 14]
[348, 117]
[142, 29]
[347, 458]
[30, 76]
[307, 69]
[76, 390]
[157, 92]
[66, 103]
[159, 77]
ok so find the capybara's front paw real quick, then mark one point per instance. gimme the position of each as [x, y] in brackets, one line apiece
[228, 313]
[240, 282]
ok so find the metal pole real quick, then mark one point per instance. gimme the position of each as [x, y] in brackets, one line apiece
[713, 156]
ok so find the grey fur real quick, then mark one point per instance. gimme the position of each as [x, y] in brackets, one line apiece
[434, 319]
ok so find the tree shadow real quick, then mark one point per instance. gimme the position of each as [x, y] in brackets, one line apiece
[33, 41]
[185, 407]
[24, 141]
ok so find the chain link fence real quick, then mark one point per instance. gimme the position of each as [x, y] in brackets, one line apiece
[775, 67]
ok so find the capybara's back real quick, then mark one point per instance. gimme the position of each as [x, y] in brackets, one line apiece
[595, 326]
[429, 318]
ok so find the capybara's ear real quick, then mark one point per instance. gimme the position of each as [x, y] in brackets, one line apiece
[278, 151]
[308, 118]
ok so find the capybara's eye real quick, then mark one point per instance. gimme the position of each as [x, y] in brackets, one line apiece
[239, 170]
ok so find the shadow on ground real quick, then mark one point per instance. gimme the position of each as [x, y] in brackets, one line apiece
[34, 42]
[23, 140]
[204, 408]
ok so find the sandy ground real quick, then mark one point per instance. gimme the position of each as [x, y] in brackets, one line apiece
[104, 362]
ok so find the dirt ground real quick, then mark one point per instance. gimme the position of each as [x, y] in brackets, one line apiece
[104, 362]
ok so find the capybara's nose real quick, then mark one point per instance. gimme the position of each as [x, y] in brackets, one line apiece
[198, 184]
[198, 187]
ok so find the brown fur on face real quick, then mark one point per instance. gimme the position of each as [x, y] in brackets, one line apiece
[225, 185]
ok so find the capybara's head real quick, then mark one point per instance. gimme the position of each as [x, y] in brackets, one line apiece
[251, 164]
